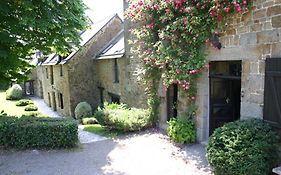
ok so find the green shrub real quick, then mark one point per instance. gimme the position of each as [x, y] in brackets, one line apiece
[14, 93]
[30, 108]
[33, 132]
[82, 110]
[24, 102]
[127, 119]
[99, 115]
[181, 130]
[89, 121]
[246, 147]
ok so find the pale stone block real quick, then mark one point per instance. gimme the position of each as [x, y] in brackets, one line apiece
[251, 110]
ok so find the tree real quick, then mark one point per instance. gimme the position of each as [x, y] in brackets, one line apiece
[30, 25]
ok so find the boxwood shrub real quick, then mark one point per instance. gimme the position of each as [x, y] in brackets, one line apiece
[33, 132]
[31, 108]
[247, 147]
[14, 93]
[24, 102]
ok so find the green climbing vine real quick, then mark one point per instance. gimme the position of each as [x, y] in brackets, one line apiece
[170, 35]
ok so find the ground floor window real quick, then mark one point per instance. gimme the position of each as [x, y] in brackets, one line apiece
[114, 98]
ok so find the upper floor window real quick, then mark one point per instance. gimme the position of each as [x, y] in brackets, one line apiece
[61, 70]
[116, 71]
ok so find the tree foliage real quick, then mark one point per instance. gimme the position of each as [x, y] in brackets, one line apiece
[30, 25]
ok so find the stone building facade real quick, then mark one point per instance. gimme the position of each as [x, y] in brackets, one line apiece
[234, 85]
[64, 82]
[102, 70]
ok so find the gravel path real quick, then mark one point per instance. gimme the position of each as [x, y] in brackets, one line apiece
[147, 153]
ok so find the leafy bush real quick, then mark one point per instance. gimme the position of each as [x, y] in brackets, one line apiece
[182, 130]
[30, 108]
[127, 119]
[99, 115]
[33, 132]
[247, 147]
[24, 102]
[14, 93]
[90, 120]
[82, 110]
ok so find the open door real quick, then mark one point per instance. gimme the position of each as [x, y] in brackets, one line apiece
[225, 87]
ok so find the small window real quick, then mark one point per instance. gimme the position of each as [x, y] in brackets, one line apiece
[114, 98]
[49, 99]
[116, 71]
[61, 100]
[52, 75]
[47, 73]
[61, 70]
[101, 89]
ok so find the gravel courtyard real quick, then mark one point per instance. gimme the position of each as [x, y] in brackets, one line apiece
[147, 153]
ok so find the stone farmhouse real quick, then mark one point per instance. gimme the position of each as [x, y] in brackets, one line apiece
[243, 80]
[97, 72]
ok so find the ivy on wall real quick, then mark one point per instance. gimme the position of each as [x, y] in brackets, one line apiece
[170, 35]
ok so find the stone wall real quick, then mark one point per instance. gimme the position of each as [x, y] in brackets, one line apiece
[51, 92]
[250, 37]
[82, 70]
[135, 87]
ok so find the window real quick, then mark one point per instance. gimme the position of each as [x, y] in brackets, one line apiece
[52, 75]
[116, 71]
[61, 70]
[47, 73]
[61, 100]
[114, 98]
[49, 99]
[101, 95]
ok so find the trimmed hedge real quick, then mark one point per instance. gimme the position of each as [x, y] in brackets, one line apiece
[31, 108]
[246, 147]
[33, 132]
[14, 93]
[82, 110]
[24, 102]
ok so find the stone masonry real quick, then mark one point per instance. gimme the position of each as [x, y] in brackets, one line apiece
[250, 37]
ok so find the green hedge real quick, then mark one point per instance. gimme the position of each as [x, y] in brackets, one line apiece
[24, 102]
[121, 118]
[247, 147]
[33, 132]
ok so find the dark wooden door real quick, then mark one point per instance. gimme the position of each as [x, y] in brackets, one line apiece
[272, 93]
[225, 88]
[224, 101]
[172, 98]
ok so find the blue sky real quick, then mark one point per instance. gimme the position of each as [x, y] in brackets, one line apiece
[100, 9]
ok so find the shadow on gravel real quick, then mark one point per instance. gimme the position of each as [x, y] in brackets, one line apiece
[87, 160]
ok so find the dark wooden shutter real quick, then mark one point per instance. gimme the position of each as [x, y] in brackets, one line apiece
[272, 92]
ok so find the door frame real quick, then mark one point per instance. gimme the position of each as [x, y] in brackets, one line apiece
[224, 77]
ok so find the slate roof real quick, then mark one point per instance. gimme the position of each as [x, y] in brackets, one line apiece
[114, 49]
[86, 36]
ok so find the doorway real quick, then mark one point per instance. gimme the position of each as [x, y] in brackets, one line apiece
[29, 87]
[225, 88]
[172, 98]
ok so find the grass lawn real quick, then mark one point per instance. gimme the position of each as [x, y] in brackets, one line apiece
[9, 106]
[101, 130]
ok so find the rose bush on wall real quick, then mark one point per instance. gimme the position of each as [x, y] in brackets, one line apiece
[171, 33]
